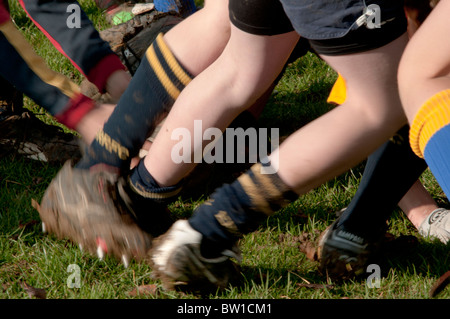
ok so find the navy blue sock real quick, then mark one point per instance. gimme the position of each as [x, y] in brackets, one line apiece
[239, 208]
[388, 175]
[143, 184]
[150, 94]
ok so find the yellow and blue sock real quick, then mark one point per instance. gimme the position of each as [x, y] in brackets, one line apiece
[430, 137]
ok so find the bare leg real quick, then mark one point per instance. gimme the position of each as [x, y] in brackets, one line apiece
[346, 135]
[417, 204]
[198, 40]
[424, 72]
[240, 76]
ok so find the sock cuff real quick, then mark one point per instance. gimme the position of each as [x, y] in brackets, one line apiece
[431, 117]
[162, 193]
[168, 70]
[267, 192]
[142, 183]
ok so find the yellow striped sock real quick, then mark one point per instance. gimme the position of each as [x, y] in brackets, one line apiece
[169, 85]
[432, 116]
[267, 192]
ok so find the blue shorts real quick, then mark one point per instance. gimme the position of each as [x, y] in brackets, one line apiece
[332, 26]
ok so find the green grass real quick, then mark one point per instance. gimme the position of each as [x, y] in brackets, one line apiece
[273, 266]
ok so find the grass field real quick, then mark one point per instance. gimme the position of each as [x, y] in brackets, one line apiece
[273, 267]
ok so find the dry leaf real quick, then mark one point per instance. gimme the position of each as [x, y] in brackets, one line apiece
[35, 204]
[144, 290]
[34, 292]
[309, 249]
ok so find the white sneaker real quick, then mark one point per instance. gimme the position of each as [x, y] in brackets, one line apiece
[177, 261]
[437, 225]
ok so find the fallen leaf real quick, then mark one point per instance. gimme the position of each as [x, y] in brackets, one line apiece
[144, 290]
[309, 249]
[35, 204]
[34, 292]
[308, 244]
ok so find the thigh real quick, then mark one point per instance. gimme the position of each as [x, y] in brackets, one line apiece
[195, 45]
[425, 66]
[253, 62]
[246, 68]
[343, 137]
[371, 80]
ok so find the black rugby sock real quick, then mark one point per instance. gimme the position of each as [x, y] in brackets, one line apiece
[389, 173]
[239, 208]
[151, 93]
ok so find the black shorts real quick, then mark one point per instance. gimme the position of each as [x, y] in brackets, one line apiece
[260, 17]
[361, 39]
[268, 17]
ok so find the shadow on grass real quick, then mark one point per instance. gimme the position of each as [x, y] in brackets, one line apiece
[424, 258]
